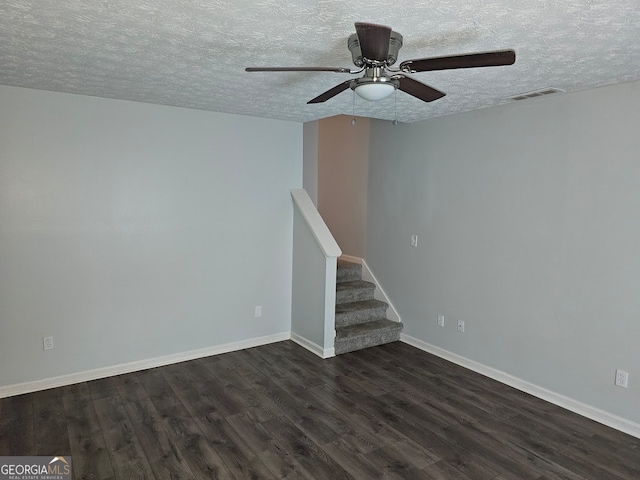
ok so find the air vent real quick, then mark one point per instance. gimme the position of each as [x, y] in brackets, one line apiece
[536, 93]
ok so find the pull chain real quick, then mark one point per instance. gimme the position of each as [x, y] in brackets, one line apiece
[353, 120]
[395, 107]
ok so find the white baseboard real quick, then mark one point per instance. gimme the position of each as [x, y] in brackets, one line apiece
[313, 347]
[379, 293]
[593, 413]
[85, 376]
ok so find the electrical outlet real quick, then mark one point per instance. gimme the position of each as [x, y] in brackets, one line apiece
[414, 240]
[441, 320]
[461, 326]
[47, 343]
[622, 379]
[257, 313]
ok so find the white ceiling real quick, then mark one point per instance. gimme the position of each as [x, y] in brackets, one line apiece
[192, 53]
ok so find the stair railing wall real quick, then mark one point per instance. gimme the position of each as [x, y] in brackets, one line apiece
[315, 254]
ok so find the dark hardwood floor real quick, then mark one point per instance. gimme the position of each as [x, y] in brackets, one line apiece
[278, 411]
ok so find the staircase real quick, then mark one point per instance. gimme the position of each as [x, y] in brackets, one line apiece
[361, 320]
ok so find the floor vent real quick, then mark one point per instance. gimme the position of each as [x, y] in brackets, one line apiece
[536, 93]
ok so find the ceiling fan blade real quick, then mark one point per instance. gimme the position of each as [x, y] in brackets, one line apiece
[418, 89]
[323, 97]
[374, 40]
[298, 69]
[471, 60]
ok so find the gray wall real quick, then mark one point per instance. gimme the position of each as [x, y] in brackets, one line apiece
[528, 218]
[131, 231]
[343, 157]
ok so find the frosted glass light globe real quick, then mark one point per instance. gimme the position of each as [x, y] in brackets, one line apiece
[375, 91]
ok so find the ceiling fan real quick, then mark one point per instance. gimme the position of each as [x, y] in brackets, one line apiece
[374, 49]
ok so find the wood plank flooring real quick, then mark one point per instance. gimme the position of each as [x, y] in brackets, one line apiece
[278, 411]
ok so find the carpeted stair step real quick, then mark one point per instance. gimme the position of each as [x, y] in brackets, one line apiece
[364, 335]
[354, 291]
[361, 311]
[361, 320]
[348, 271]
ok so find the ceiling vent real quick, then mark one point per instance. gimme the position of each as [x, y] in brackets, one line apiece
[536, 93]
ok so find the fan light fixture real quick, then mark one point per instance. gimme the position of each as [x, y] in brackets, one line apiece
[374, 48]
[375, 91]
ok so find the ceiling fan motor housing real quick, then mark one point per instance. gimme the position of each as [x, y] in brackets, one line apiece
[395, 43]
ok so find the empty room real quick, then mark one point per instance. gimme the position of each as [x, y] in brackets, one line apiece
[320, 239]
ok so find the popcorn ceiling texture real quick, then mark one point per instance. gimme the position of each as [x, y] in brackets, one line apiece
[192, 53]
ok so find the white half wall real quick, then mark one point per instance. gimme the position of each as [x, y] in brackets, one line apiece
[527, 217]
[131, 231]
[315, 254]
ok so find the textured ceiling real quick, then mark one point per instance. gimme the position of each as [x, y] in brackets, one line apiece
[192, 53]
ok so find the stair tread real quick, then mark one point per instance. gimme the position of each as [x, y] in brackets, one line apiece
[360, 305]
[360, 319]
[354, 284]
[346, 264]
[348, 271]
[354, 291]
[367, 328]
